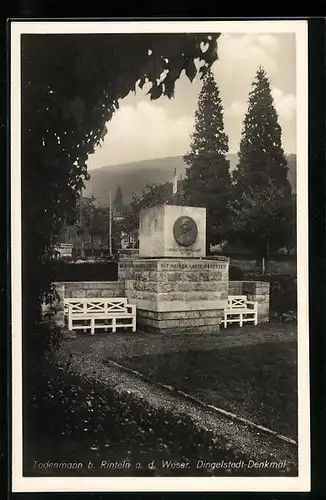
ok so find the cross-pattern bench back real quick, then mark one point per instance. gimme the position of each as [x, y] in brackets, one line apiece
[237, 301]
[95, 305]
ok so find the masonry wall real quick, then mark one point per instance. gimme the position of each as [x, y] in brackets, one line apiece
[94, 289]
[255, 290]
[81, 289]
[258, 291]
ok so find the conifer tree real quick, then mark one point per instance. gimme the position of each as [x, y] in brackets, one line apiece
[261, 156]
[207, 182]
[262, 205]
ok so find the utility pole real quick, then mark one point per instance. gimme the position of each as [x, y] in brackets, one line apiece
[110, 224]
[175, 182]
[82, 253]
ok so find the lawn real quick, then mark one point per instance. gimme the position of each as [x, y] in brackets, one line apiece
[69, 421]
[258, 382]
[80, 409]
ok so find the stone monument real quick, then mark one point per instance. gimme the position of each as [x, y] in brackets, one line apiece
[172, 231]
[175, 287]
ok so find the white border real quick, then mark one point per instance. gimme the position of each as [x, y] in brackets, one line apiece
[131, 484]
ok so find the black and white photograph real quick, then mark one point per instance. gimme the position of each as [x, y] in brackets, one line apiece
[159, 256]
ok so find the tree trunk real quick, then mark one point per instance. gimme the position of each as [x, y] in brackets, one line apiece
[82, 250]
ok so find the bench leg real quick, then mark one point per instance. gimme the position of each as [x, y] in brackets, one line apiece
[114, 326]
[134, 324]
[241, 320]
[92, 326]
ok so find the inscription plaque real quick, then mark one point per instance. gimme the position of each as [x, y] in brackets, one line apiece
[185, 231]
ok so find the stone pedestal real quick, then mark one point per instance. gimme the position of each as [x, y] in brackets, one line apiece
[177, 295]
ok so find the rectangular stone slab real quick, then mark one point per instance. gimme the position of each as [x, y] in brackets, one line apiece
[156, 237]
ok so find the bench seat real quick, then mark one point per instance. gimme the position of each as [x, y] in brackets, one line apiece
[240, 310]
[105, 313]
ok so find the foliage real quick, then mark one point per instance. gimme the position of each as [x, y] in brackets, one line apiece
[71, 85]
[264, 217]
[118, 201]
[207, 183]
[153, 194]
[235, 273]
[83, 271]
[283, 296]
[93, 220]
[90, 229]
[262, 207]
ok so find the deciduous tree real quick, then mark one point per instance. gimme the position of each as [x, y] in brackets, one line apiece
[71, 85]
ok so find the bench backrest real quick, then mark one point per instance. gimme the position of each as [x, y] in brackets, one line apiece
[237, 301]
[93, 306]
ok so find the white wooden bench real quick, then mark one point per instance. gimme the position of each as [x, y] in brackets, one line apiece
[105, 313]
[240, 310]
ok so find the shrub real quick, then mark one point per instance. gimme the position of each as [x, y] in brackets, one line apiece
[283, 295]
[235, 273]
[83, 271]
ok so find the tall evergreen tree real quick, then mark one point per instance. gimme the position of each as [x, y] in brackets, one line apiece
[207, 182]
[262, 205]
[261, 156]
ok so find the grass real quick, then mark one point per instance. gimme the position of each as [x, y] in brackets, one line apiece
[70, 417]
[258, 382]
[69, 420]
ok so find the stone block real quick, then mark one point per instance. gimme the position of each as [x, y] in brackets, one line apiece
[155, 276]
[235, 288]
[261, 299]
[90, 285]
[79, 294]
[156, 232]
[209, 286]
[171, 276]
[149, 286]
[93, 293]
[171, 296]
[209, 329]
[141, 294]
[180, 322]
[202, 295]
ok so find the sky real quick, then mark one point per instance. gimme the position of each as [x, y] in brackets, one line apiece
[143, 129]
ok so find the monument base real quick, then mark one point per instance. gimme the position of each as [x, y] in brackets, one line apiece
[177, 295]
[179, 321]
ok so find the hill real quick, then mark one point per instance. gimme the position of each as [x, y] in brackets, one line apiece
[133, 177]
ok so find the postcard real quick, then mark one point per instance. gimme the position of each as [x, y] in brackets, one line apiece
[159, 256]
